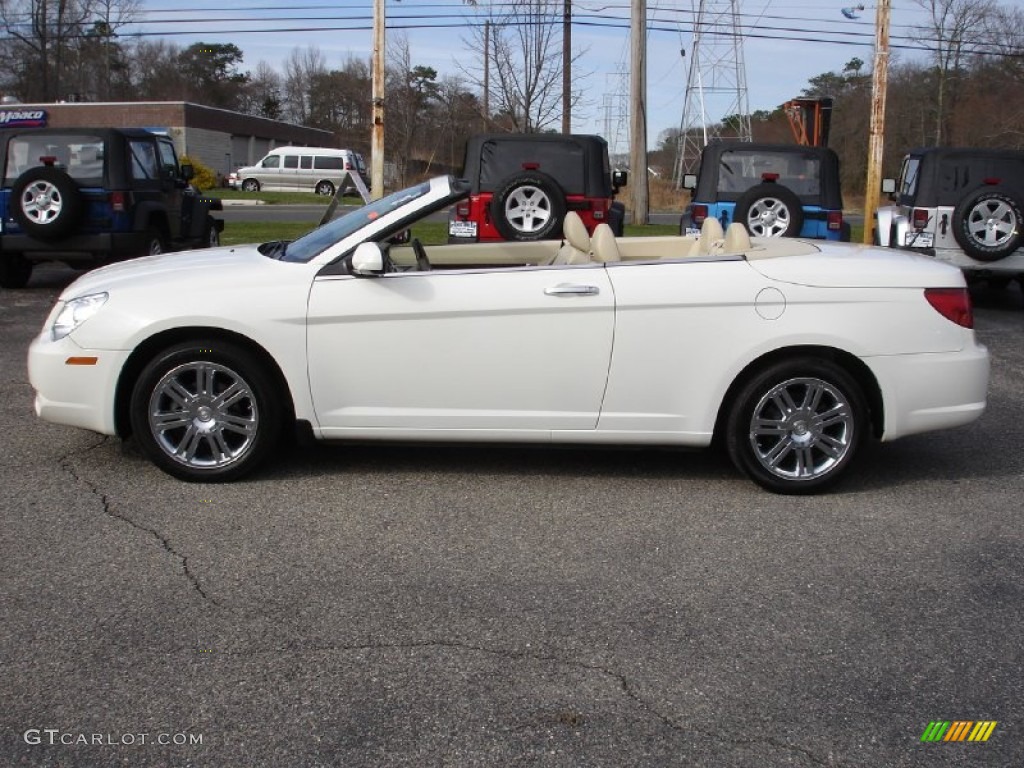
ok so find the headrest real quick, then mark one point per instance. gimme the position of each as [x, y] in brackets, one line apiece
[575, 232]
[605, 247]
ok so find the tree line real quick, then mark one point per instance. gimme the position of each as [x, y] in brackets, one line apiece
[967, 93]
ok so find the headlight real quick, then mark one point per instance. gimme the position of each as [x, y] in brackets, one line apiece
[76, 312]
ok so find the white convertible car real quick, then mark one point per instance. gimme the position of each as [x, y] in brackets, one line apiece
[792, 353]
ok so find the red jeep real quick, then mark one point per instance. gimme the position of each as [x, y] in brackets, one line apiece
[523, 184]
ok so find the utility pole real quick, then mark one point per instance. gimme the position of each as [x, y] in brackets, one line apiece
[377, 136]
[638, 111]
[567, 67]
[876, 141]
[487, 75]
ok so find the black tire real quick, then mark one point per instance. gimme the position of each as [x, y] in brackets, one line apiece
[810, 418]
[250, 185]
[155, 243]
[617, 218]
[188, 430]
[211, 235]
[15, 270]
[987, 224]
[770, 210]
[324, 188]
[46, 203]
[528, 206]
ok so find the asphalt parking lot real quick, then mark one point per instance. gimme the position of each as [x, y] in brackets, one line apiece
[412, 606]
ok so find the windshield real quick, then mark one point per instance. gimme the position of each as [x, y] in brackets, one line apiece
[313, 243]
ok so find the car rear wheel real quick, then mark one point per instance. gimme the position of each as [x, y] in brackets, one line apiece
[155, 243]
[15, 270]
[796, 425]
[770, 210]
[325, 188]
[206, 411]
[46, 203]
[528, 206]
[250, 185]
[987, 224]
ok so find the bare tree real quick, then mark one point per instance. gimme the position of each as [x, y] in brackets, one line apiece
[523, 54]
[301, 70]
[39, 33]
[957, 29]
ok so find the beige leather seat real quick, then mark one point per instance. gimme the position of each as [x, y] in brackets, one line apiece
[576, 243]
[604, 245]
[737, 239]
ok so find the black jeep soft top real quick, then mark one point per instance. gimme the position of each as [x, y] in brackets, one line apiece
[719, 181]
[945, 174]
[578, 162]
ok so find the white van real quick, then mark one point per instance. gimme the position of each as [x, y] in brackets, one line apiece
[300, 169]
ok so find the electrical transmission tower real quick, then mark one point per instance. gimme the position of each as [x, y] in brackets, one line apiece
[615, 108]
[716, 86]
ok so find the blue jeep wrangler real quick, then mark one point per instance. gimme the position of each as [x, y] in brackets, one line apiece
[776, 190]
[88, 196]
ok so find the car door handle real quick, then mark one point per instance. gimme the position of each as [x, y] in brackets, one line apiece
[568, 289]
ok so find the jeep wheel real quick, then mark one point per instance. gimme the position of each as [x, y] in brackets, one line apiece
[987, 224]
[770, 210]
[155, 243]
[528, 206]
[211, 237]
[325, 188]
[46, 203]
[15, 270]
[250, 185]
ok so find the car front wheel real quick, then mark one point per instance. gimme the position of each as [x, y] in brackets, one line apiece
[796, 425]
[205, 411]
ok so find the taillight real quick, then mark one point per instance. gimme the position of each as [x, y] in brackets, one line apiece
[348, 166]
[698, 213]
[118, 202]
[835, 220]
[919, 218]
[954, 304]
[462, 209]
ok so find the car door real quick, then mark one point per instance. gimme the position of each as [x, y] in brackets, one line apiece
[491, 352]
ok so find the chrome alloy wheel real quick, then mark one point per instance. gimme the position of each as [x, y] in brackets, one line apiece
[992, 222]
[41, 202]
[801, 429]
[203, 415]
[528, 209]
[768, 217]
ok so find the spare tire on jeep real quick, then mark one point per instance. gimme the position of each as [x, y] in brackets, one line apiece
[770, 210]
[46, 202]
[528, 206]
[987, 223]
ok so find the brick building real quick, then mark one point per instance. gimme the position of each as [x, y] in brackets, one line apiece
[219, 138]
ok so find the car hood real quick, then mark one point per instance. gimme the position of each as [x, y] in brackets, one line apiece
[204, 266]
[846, 265]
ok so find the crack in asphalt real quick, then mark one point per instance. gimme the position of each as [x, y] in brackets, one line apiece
[64, 462]
[623, 683]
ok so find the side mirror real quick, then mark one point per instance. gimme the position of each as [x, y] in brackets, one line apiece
[188, 171]
[368, 260]
[889, 186]
[690, 181]
[619, 179]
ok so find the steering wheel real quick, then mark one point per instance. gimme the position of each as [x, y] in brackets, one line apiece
[422, 262]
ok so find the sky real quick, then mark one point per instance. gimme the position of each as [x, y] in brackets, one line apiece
[785, 44]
